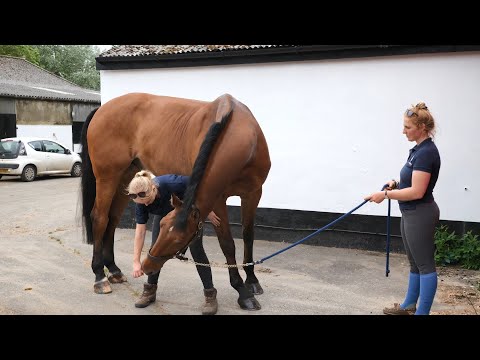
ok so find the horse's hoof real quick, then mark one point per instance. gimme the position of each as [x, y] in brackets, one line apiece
[117, 278]
[102, 287]
[249, 304]
[255, 288]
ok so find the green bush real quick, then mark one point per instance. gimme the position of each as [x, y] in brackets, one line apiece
[452, 249]
[470, 251]
[447, 247]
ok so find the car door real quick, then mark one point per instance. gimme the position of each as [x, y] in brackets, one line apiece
[38, 157]
[58, 159]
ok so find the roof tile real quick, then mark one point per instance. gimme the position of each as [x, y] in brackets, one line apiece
[21, 78]
[145, 50]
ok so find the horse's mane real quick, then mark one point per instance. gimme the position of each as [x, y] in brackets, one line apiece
[199, 168]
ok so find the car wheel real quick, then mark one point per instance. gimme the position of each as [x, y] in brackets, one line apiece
[29, 173]
[76, 170]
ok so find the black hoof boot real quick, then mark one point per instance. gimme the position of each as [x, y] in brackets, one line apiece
[255, 288]
[249, 304]
[117, 278]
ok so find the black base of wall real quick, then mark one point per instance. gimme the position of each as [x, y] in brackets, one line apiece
[365, 232]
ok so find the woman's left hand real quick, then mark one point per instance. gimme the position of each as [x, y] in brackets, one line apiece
[215, 220]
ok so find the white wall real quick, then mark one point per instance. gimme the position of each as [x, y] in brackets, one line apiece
[334, 127]
[61, 133]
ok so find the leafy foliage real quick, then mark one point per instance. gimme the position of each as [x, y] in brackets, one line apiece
[453, 249]
[27, 52]
[75, 63]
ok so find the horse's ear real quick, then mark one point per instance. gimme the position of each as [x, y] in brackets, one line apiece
[175, 201]
[195, 212]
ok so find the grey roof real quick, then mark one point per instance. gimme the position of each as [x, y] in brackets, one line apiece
[144, 50]
[129, 57]
[21, 79]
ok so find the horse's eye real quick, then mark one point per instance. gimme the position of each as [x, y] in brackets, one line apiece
[170, 230]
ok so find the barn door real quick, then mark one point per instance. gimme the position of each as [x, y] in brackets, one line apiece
[8, 125]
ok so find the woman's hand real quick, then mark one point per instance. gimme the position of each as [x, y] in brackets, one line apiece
[215, 220]
[392, 184]
[137, 269]
[377, 197]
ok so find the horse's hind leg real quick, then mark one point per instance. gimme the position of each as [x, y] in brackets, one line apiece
[119, 203]
[249, 208]
[105, 191]
[246, 300]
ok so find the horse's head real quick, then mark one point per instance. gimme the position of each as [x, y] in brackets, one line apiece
[173, 237]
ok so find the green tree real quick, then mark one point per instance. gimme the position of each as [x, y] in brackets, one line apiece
[75, 63]
[27, 52]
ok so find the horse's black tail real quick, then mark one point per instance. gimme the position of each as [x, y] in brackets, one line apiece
[88, 183]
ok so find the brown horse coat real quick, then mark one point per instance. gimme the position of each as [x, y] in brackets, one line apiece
[164, 134]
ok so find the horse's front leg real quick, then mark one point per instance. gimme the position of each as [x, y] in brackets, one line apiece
[246, 299]
[249, 208]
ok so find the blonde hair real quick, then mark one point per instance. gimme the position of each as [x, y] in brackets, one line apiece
[423, 117]
[142, 181]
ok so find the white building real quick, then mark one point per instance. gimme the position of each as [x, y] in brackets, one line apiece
[333, 119]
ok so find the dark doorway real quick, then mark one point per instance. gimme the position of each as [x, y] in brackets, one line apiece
[77, 131]
[77, 135]
[8, 125]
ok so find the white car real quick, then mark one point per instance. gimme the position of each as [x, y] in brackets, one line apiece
[30, 157]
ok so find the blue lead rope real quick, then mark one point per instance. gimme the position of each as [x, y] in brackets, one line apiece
[387, 270]
[333, 223]
[387, 260]
[309, 236]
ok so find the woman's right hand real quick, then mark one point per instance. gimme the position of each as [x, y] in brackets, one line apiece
[137, 269]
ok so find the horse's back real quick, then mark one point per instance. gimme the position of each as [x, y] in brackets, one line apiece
[124, 110]
[165, 133]
[149, 128]
[134, 116]
[139, 109]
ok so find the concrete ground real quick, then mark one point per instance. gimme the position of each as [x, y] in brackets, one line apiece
[45, 268]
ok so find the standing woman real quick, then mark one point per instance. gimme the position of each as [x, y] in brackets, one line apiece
[151, 195]
[420, 213]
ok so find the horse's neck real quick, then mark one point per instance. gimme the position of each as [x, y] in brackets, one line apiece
[210, 189]
[205, 204]
[223, 170]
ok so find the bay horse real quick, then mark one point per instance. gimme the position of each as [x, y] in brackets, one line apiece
[170, 135]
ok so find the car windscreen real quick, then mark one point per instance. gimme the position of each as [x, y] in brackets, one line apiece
[9, 149]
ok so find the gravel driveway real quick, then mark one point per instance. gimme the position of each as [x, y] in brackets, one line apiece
[45, 268]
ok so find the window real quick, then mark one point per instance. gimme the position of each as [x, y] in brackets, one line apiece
[36, 145]
[53, 147]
